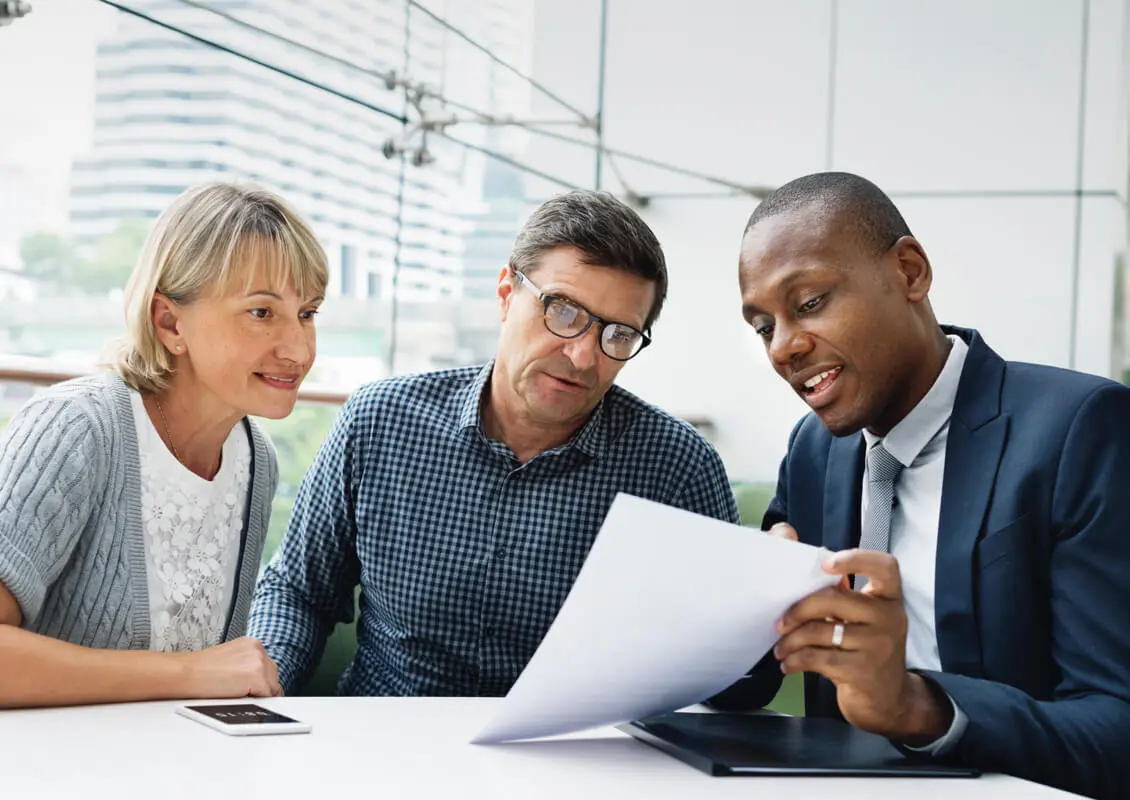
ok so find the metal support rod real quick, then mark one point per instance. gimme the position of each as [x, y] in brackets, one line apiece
[1081, 129]
[400, 182]
[600, 94]
[833, 43]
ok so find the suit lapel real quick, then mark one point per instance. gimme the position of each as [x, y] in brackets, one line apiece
[843, 485]
[976, 440]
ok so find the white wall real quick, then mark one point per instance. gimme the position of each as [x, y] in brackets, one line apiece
[965, 111]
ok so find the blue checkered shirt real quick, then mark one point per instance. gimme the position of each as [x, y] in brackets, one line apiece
[464, 555]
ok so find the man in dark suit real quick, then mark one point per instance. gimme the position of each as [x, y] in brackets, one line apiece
[979, 509]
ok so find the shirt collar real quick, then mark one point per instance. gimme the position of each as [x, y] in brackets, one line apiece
[909, 438]
[592, 439]
[469, 412]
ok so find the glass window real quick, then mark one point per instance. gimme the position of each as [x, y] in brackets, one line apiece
[97, 144]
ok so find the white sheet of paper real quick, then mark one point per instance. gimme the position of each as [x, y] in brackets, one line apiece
[669, 609]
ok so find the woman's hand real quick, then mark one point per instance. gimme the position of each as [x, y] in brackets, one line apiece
[239, 668]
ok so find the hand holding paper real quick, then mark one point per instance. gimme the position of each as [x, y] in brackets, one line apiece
[669, 609]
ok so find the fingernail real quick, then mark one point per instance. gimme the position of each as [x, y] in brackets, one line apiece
[781, 625]
[777, 652]
[783, 670]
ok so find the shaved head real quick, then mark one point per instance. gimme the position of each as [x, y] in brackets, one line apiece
[837, 288]
[843, 201]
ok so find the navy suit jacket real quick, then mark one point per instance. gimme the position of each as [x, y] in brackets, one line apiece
[1032, 587]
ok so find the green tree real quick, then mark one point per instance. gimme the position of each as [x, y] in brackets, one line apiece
[752, 500]
[52, 258]
[48, 257]
[113, 258]
[297, 439]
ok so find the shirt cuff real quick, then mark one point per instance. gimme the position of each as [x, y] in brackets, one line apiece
[951, 737]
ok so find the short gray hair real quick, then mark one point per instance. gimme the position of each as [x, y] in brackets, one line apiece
[606, 231]
[207, 239]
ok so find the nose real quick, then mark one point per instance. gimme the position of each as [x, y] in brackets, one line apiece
[789, 343]
[296, 343]
[584, 351]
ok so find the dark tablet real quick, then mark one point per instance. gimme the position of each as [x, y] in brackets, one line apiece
[755, 744]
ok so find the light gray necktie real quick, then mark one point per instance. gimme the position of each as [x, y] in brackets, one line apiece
[882, 473]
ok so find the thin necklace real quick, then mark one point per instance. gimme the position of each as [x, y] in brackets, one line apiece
[168, 436]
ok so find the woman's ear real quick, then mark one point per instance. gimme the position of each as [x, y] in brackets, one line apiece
[166, 319]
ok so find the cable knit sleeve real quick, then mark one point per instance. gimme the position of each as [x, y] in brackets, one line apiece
[51, 464]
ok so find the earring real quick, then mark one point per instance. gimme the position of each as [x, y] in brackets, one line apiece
[180, 347]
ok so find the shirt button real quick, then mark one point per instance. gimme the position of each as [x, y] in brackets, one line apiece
[501, 553]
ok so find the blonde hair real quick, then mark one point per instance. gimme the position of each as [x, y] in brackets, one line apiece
[204, 240]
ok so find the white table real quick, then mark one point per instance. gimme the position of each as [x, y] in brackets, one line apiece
[383, 748]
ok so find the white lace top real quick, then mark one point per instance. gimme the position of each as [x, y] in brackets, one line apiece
[193, 530]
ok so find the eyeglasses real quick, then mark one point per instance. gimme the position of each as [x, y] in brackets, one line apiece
[619, 341]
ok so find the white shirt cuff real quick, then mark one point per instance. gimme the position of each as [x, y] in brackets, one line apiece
[957, 728]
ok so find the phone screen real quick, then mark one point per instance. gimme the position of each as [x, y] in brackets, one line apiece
[244, 714]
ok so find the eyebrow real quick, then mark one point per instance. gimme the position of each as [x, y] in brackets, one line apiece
[264, 293]
[279, 297]
[579, 304]
[784, 285]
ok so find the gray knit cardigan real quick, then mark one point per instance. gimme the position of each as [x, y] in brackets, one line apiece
[71, 543]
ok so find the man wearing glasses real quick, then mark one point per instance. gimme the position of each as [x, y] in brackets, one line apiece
[464, 502]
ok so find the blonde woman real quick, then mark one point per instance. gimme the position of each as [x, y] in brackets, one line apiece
[134, 504]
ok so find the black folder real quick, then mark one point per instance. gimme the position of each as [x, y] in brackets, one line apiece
[759, 744]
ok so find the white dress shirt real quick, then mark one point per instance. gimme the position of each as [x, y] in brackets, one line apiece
[919, 444]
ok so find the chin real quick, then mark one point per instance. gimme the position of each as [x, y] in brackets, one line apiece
[839, 426]
[553, 411]
[276, 412]
[272, 414]
[279, 409]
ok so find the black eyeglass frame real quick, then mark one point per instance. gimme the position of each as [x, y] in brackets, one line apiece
[548, 299]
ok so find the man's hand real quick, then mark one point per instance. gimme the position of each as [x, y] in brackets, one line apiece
[874, 690]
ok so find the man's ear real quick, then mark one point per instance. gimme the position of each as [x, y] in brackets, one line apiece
[505, 291]
[166, 319]
[915, 273]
